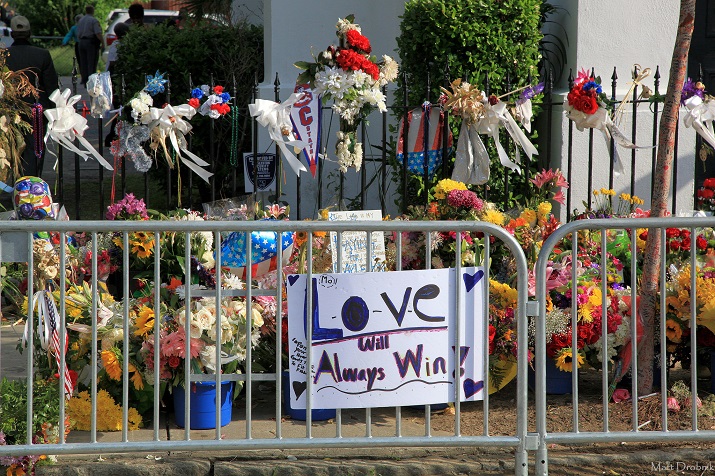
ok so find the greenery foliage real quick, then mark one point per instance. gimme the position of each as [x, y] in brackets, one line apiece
[13, 408]
[55, 17]
[197, 54]
[493, 44]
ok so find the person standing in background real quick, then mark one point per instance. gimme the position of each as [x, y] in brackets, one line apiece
[90, 41]
[136, 14]
[40, 70]
[72, 36]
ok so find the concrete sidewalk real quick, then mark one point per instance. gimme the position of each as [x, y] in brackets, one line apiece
[623, 459]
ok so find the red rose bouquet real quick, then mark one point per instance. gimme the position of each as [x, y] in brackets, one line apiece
[706, 195]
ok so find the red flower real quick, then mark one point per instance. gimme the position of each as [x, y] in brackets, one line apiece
[218, 89]
[349, 60]
[492, 335]
[371, 68]
[174, 361]
[358, 41]
[709, 182]
[582, 101]
[701, 243]
[194, 102]
[674, 245]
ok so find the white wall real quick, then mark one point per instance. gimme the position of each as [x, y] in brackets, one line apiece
[613, 33]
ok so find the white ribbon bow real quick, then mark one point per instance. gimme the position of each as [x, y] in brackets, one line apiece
[276, 117]
[699, 115]
[65, 125]
[168, 122]
[601, 120]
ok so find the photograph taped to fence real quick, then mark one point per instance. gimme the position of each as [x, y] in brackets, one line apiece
[387, 339]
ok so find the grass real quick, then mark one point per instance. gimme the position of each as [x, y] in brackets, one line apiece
[62, 57]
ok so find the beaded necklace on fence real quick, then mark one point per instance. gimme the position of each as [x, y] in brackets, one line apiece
[234, 136]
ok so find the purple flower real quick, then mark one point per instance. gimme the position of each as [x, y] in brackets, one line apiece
[530, 92]
[128, 208]
[691, 89]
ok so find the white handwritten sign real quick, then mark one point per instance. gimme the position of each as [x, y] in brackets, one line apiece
[353, 244]
[387, 339]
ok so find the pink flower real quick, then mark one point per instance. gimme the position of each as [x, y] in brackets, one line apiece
[673, 404]
[174, 344]
[621, 395]
[559, 197]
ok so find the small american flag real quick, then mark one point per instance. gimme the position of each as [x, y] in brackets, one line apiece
[50, 315]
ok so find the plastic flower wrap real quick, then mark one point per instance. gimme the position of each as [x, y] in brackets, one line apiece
[587, 106]
[485, 115]
[353, 78]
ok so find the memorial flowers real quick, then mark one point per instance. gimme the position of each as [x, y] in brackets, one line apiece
[706, 195]
[353, 78]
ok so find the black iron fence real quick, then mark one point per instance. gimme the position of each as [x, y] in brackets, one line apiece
[158, 191]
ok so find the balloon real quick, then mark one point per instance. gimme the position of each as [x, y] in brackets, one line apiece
[32, 199]
[264, 256]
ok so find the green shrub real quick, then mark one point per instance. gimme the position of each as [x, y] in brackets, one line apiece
[190, 57]
[13, 408]
[478, 40]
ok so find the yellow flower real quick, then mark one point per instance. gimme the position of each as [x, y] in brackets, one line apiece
[142, 244]
[596, 193]
[109, 413]
[493, 216]
[111, 364]
[136, 377]
[673, 331]
[543, 209]
[529, 216]
[144, 321]
[625, 197]
[564, 360]
[445, 186]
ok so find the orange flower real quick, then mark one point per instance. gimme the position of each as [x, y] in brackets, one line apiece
[300, 238]
[673, 331]
[111, 364]
[174, 283]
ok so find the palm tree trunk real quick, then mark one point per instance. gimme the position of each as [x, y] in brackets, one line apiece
[661, 191]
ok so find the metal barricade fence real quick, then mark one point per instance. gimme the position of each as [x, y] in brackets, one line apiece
[267, 430]
[572, 240]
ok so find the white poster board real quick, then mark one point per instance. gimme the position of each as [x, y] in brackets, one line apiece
[387, 339]
[353, 244]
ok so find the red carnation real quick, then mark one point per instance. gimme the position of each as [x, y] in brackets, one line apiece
[349, 60]
[218, 89]
[358, 41]
[709, 182]
[371, 68]
[492, 334]
[194, 102]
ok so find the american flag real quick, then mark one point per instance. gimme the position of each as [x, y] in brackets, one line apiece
[50, 312]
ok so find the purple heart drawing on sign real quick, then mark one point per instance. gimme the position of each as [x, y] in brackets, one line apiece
[292, 279]
[471, 280]
[471, 387]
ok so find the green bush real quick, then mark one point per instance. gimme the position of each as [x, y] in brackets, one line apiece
[13, 408]
[190, 57]
[477, 40]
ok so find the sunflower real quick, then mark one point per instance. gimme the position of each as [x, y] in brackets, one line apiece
[564, 360]
[112, 364]
[300, 238]
[673, 331]
[144, 321]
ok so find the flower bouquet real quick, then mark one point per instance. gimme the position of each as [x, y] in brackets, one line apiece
[349, 75]
[482, 115]
[589, 108]
[146, 123]
[699, 110]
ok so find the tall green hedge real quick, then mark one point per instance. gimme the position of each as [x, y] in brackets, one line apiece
[192, 56]
[473, 40]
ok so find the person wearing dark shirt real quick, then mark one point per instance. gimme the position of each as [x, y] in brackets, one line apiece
[40, 70]
[90, 42]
